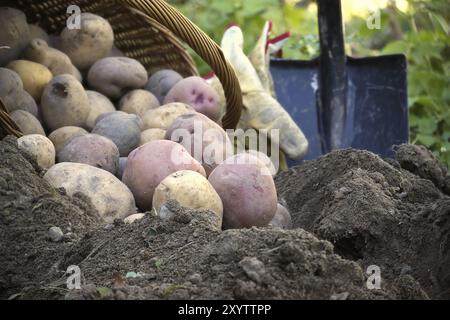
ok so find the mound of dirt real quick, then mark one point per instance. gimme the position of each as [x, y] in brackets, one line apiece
[374, 212]
[185, 258]
[29, 207]
[393, 214]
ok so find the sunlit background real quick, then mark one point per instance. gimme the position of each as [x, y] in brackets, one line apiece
[417, 28]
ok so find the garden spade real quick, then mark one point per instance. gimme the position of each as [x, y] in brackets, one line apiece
[342, 102]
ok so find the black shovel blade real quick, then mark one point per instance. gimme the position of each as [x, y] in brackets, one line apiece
[376, 109]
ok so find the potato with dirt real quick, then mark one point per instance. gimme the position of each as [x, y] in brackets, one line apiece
[148, 165]
[61, 136]
[92, 42]
[27, 123]
[13, 95]
[115, 76]
[14, 35]
[282, 218]
[64, 103]
[138, 102]
[91, 149]
[151, 135]
[35, 76]
[205, 140]
[40, 148]
[161, 82]
[99, 104]
[163, 116]
[247, 191]
[196, 92]
[56, 61]
[191, 190]
[110, 197]
[123, 129]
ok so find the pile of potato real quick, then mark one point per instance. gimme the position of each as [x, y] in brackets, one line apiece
[99, 125]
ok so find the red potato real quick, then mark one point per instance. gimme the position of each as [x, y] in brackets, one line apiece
[205, 140]
[196, 92]
[161, 82]
[282, 218]
[265, 159]
[148, 165]
[93, 150]
[247, 191]
[115, 76]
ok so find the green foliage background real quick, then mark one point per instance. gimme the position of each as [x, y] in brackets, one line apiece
[421, 33]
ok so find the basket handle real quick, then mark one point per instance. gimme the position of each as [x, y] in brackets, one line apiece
[8, 124]
[207, 49]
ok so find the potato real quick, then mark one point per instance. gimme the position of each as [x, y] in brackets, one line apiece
[27, 123]
[162, 117]
[115, 76]
[92, 42]
[37, 32]
[123, 129]
[247, 191]
[61, 136]
[151, 135]
[265, 160]
[40, 148]
[64, 103]
[122, 165]
[56, 61]
[196, 92]
[148, 165]
[191, 190]
[205, 140]
[35, 76]
[107, 114]
[282, 218]
[14, 35]
[91, 149]
[138, 102]
[99, 104]
[13, 95]
[161, 82]
[112, 199]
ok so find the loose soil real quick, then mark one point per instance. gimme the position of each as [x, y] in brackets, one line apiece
[350, 210]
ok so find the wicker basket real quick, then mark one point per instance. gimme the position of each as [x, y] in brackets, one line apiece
[146, 30]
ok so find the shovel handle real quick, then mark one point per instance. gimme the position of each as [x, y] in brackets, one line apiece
[332, 74]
